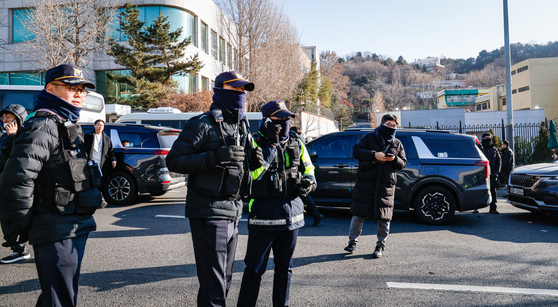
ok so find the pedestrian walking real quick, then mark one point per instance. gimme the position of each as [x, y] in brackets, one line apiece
[508, 162]
[211, 149]
[494, 159]
[380, 155]
[12, 117]
[49, 187]
[276, 210]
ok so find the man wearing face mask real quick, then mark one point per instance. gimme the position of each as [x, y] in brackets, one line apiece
[216, 150]
[12, 117]
[493, 156]
[276, 210]
[379, 155]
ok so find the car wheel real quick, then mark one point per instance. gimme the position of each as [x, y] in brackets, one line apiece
[434, 205]
[120, 189]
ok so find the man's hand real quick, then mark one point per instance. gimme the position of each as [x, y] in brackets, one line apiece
[380, 156]
[230, 156]
[11, 128]
[256, 158]
[113, 164]
[306, 187]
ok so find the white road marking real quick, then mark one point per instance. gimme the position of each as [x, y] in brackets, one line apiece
[183, 217]
[472, 288]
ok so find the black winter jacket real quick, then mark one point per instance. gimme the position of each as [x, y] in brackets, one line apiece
[374, 191]
[494, 158]
[27, 187]
[508, 162]
[192, 154]
[7, 140]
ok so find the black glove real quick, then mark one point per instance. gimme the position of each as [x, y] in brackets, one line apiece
[273, 133]
[306, 187]
[15, 238]
[256, 158]
[229, 156]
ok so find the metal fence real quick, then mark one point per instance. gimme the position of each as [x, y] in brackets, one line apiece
[526, 131]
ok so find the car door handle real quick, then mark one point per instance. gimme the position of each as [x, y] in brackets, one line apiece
[340, 165]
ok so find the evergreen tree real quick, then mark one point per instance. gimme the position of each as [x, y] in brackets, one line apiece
[326, 92]
[153, 55]
[495, 139]
[308, 87]
[542, 153]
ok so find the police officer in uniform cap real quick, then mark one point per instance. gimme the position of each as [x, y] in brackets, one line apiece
[211, 149]
[276, 210]
[50, 188]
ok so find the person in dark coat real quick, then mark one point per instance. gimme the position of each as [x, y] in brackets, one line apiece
[493, 156]
[508, 162]
[12, 117]
[211, 149]
[99, 146]
[42, 198]
[379, 154]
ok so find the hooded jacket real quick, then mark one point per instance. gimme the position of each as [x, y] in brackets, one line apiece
[374, 192]
[7, 140]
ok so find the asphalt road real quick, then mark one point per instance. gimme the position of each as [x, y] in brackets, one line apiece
[142, 255]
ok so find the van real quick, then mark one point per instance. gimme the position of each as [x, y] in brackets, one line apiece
[25, 95]
[170, 117]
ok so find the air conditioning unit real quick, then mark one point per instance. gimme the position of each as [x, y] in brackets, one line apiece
[163, 110]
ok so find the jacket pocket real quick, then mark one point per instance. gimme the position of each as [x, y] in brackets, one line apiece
[89, 201]
[79, 170]
[64, 200]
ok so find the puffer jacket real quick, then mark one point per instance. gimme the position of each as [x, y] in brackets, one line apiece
[192, 154]
[7, 141]
[374, 191]
[27, 187]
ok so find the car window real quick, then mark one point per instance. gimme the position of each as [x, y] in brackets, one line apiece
[333, 147]
[450, 148]
[139, 139]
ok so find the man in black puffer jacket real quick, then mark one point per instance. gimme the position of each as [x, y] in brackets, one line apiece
[12, 117]
[493, 156]
[41, 201]
[379, 154]
[211, 149]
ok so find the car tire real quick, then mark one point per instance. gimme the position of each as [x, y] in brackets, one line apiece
[120, 189]
[434, 205]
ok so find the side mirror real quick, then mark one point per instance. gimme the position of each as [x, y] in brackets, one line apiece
[313, 155]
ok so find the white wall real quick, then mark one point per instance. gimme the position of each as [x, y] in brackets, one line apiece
[313, 125]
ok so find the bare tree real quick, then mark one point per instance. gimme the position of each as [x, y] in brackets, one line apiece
[66, 31]
[268, 47]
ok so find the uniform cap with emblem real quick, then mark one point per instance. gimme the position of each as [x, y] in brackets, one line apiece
[233, 78]
[276, 108]
[67, 74]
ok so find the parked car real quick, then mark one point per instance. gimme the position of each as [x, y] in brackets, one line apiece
[141, 167]
[535, 188]
[446, 172]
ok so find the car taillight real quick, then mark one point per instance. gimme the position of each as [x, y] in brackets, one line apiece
[477, 140]
[161, 152]
[486, 169]
[166, 182]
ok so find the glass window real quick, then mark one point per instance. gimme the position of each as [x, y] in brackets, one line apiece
[229, 55]
[214, 44]
[149, 14]
[205, 84]
[235, 59]
[19, 31]
[222, 50]
[192, 84]
[93, 103]
[160, 123]
[25, 78]
[203, 38]
[333, 147]
[4, 79]
[139, 139]
[450, 148]
[111, 89]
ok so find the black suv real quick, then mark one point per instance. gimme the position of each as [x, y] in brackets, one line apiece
[445, 172]
[141, 167]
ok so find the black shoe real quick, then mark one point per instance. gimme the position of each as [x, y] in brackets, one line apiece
[318, 219]
[16, 256]
[494, 211]
[476, 211]
[351, 247]
[377, 252]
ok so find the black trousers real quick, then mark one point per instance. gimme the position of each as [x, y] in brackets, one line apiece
[214, 250]
[310, 205]
[260, 244]
[58, 266]
[493, 187]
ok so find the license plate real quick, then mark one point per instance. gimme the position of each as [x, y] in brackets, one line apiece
[516, 191]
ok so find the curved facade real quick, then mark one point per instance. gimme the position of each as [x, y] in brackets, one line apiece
[202, 20]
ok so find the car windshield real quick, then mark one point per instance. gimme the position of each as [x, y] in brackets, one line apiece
[167, 137]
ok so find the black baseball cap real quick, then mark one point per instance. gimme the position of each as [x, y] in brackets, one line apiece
[276, 108]
[233, 78]
[67, 74]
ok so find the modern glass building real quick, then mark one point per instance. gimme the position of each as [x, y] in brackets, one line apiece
[201, 20]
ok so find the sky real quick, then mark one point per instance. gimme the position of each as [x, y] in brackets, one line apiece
[417, 29]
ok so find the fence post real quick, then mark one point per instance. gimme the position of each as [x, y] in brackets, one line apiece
[437, 126]
[503, 130]
[460, 127]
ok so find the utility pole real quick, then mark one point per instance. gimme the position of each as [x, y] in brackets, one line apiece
[509, 100]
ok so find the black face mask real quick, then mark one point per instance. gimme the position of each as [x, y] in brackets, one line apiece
[487, 143]
[387, 133]
[269, 128]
